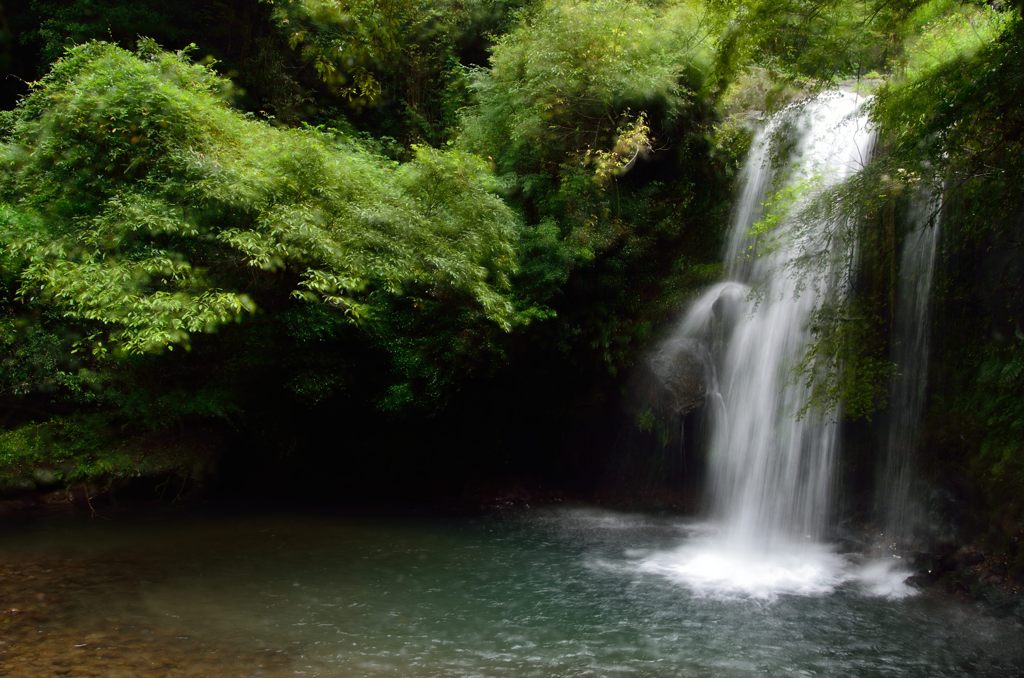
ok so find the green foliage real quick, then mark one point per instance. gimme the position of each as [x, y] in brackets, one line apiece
[402, 58]
[999, 403]
[953, 35]
[156, 212]
[238, 38]
[783, 202]
[633, 139]
[979, 418]
[90, 449]
[957, 115]
[952, 123]
[560, 83]
[169, 263]
[594, 116]
[70, 449]
[822, 40]
[64, 24]
[846, 366]
[141, 214]
[960, 117]
[348, 41]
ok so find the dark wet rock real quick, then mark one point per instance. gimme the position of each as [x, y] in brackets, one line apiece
[969, 556]
[672, 382]
[920, 580]
[972, 573]
[683, 383]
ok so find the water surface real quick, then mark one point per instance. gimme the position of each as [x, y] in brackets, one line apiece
[570, 592]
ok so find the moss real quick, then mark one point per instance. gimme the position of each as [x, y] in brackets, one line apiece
[85, 449]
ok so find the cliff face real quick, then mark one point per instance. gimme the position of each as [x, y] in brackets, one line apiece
[975, 423]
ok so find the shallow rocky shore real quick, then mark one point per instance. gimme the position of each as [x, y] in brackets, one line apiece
[45, 629]
[970, 573]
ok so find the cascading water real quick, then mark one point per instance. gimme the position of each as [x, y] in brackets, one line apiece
[899, 508]
[771, 468]
[771, 462]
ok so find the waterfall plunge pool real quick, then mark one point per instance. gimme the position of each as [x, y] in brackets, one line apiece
[559, 592]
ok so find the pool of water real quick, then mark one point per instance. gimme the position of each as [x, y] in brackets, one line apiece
[567, 592]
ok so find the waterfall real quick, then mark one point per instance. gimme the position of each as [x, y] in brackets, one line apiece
[899, 509]
[770, 461]
[771, 469]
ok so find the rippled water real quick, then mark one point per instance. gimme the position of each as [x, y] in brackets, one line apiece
[538, 593]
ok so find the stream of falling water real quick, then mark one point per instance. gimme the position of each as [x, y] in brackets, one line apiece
[899, 506]
[771, 463]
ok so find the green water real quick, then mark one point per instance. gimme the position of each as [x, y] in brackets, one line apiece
[536, 593]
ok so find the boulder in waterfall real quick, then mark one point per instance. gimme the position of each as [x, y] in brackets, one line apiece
[673, 381]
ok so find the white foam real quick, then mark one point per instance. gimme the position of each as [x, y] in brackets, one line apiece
[884, 578]
[718, 569]
[714, 567]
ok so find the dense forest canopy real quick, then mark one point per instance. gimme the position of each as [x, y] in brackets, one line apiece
[270, 221]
